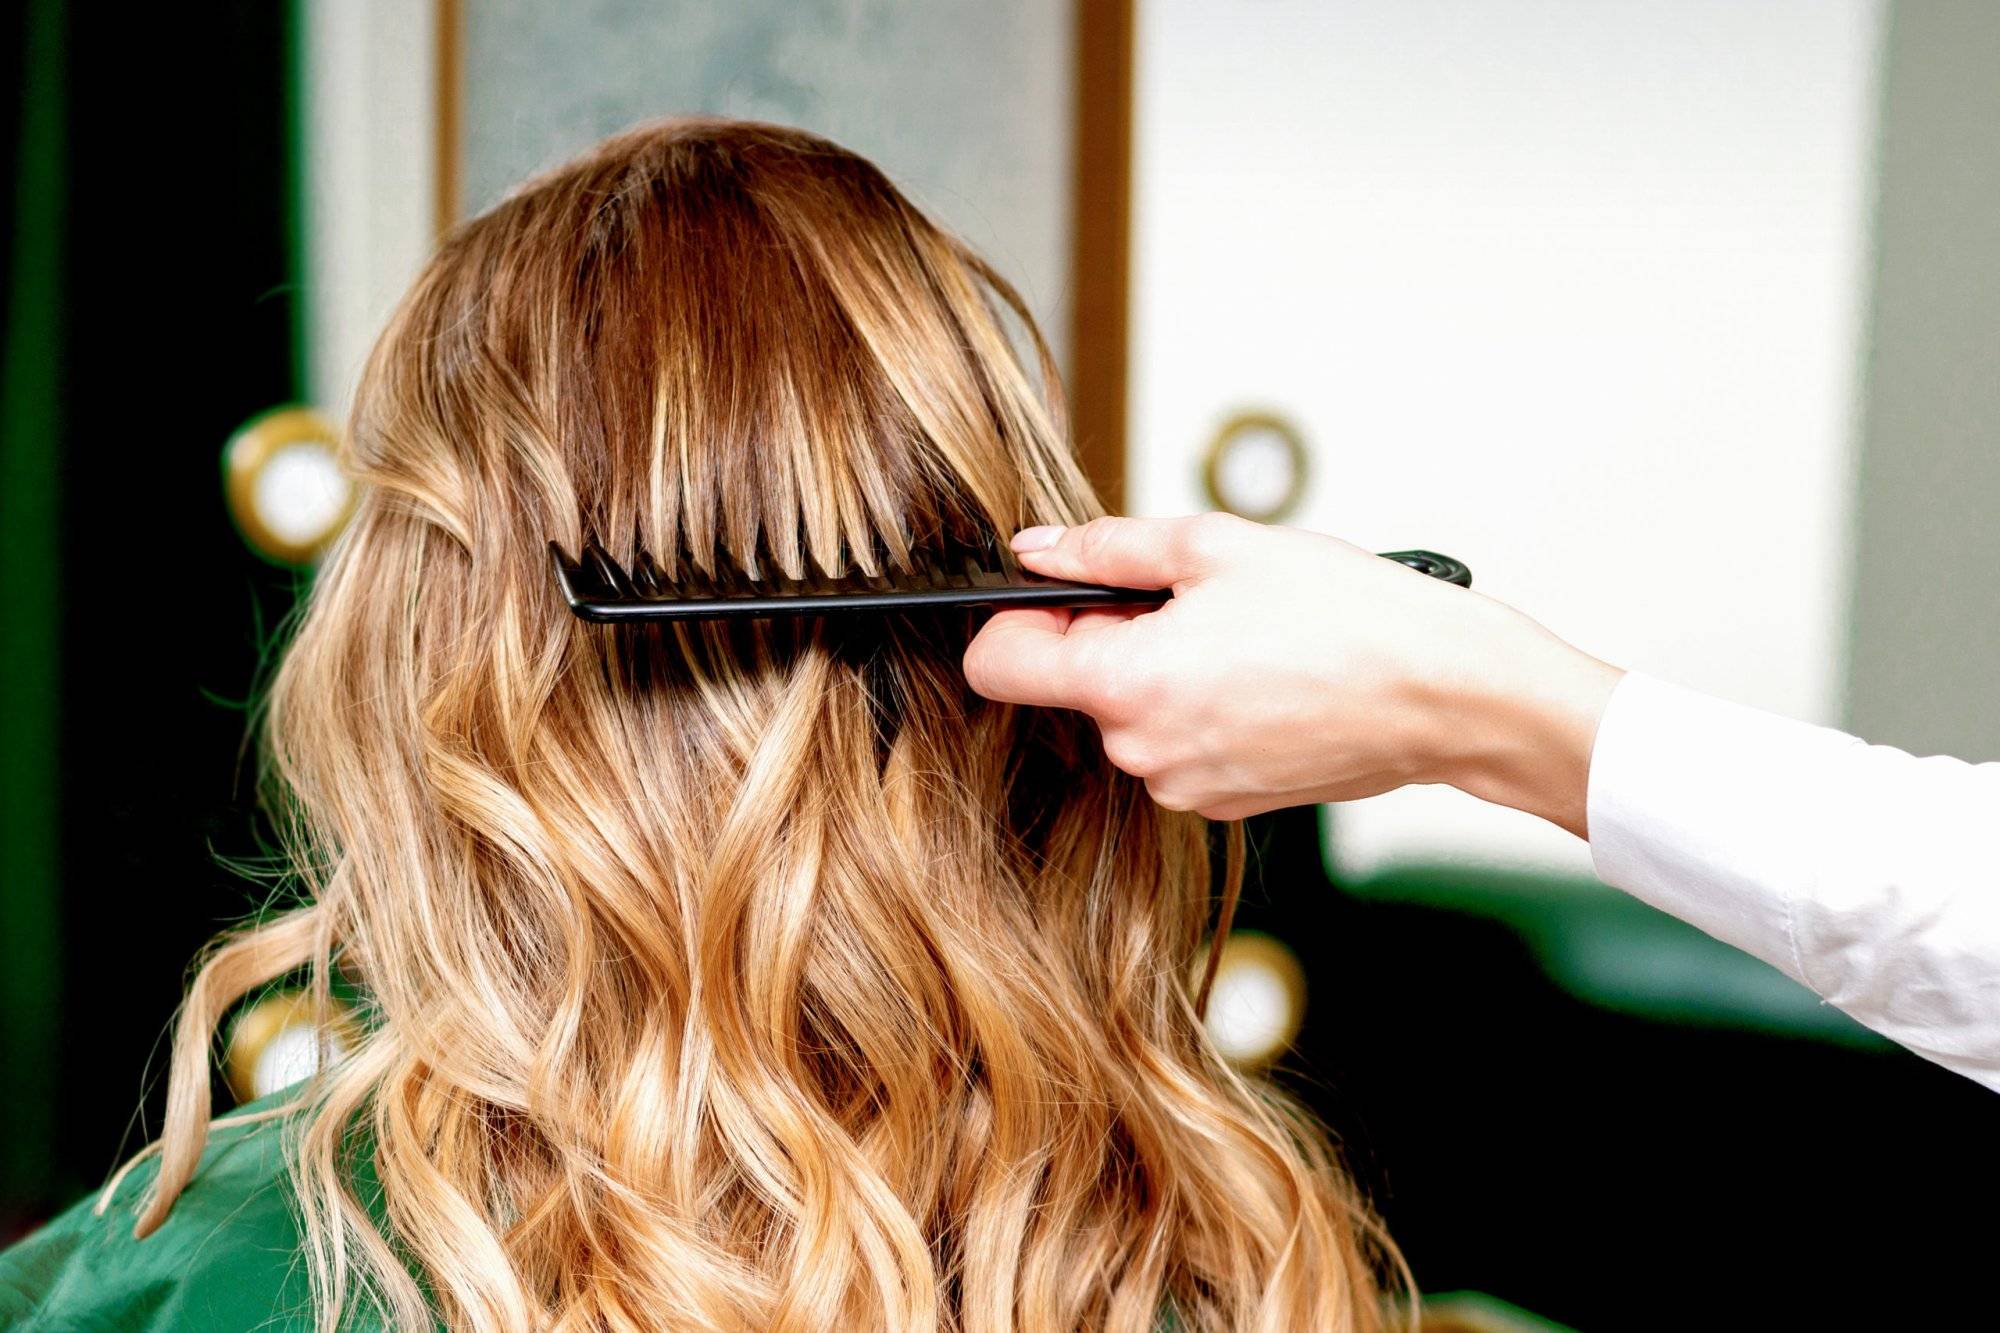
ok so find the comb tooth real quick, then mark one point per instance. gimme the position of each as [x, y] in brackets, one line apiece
[648, 578]
[979, 553]
[568, 577]
[775, 583]
[733, 581]
[608, 572]
[585, 572]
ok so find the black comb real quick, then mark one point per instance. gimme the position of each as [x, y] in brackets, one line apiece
[598, 588]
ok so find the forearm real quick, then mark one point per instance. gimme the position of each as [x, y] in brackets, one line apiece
[1519, 728]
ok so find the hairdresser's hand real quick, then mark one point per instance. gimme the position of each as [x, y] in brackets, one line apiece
[1292, 668]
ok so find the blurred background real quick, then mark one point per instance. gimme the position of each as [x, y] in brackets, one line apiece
[1677, 320]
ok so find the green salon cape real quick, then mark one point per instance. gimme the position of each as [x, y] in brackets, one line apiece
[226, 1258]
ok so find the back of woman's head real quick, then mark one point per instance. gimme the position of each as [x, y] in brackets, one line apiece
[754, 977]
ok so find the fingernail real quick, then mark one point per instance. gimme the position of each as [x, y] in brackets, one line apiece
[1037, 539]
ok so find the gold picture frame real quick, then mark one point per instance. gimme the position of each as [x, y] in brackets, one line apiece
[1236, 428]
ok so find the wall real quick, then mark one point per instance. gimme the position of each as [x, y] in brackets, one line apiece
[368, 87]
[1925, 630]
[965, 104]
[1570, 291]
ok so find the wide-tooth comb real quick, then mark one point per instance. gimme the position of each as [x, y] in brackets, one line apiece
[598, 588]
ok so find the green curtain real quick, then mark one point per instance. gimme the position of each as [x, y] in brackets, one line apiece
[30, 371]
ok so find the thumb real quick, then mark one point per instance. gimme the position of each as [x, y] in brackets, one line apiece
[1125, 552]
[1024, 656]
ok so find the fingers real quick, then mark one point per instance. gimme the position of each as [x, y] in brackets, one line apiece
[1128, 552]
[1091, 620]
[1025, 656]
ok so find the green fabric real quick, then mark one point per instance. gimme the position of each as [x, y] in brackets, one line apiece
[226, 1258]
[1475, 1309]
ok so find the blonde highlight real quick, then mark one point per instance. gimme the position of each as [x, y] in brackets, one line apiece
[737, 977]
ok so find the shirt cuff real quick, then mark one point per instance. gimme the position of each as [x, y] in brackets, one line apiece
[1691, 800]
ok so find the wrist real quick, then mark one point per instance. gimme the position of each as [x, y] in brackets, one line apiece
[1522, 726]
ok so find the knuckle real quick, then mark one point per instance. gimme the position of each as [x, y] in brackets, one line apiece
[1093, 537]
[1212, 534]
[1129, 753]
[1170, 795]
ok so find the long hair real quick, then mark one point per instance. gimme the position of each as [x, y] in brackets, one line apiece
[749, 978]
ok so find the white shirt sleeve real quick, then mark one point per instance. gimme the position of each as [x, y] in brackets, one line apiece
[1868, 874]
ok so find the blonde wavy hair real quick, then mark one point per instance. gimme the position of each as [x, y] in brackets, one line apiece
[754, 978]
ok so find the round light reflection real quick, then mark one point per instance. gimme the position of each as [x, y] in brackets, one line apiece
[282, 479]
[275, 1042]
[300, 494]
[1258, 1001]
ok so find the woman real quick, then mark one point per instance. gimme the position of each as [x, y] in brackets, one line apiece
[756, 978]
